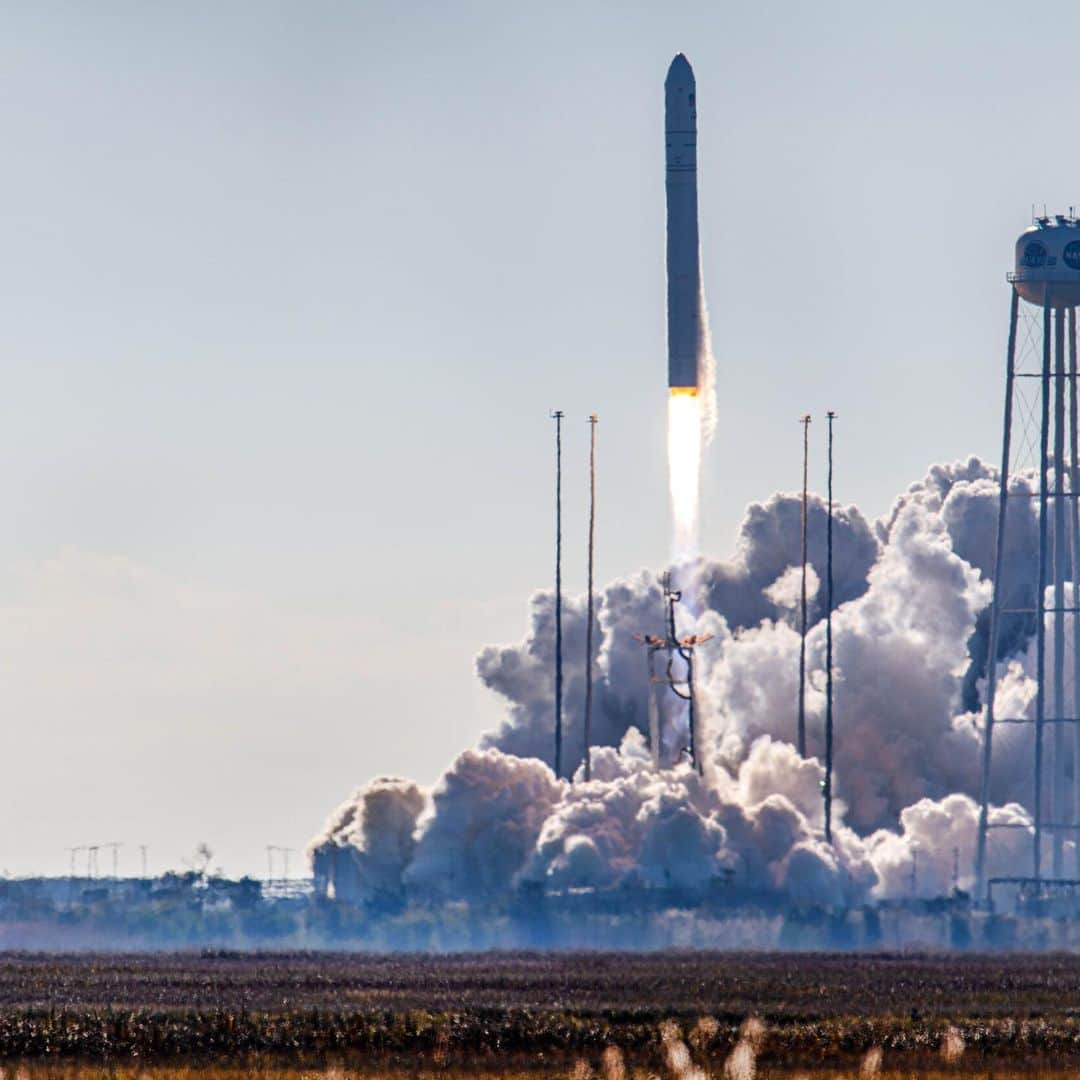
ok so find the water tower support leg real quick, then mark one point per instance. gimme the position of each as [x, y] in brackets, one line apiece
[992, 643]
[1040, 597]
[1060, 565]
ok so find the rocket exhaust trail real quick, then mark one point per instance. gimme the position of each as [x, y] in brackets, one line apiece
[684, 470]
[689, 371]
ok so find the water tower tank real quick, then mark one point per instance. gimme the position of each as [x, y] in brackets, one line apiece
[1048, 262]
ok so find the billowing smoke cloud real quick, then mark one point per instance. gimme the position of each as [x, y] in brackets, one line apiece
[935, 847]
[769, 543]
[965, 496]
[909, 660]
[900, 652]
[486, 815]
[634, 826]
[370, 839]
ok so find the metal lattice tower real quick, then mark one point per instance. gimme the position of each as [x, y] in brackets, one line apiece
[674, 648]
[1039, 440]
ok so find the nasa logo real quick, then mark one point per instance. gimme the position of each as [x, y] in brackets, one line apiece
[1071, 255]
[1034, 254]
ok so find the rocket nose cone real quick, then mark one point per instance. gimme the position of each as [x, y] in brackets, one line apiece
[680, 70]
[680, 94]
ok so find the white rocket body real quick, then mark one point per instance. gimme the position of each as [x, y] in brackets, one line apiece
[684, 314]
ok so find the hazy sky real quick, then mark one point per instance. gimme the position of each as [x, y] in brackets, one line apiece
[289, 290]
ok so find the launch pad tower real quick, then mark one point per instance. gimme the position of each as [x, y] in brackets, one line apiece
[1044, 600]
[674, 648]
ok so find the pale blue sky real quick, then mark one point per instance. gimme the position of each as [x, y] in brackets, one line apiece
[289, 289]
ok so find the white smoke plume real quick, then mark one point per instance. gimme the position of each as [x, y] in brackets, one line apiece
[486, 814]
[937, 839]
[909, 654]
[707, 375]
[370, 839]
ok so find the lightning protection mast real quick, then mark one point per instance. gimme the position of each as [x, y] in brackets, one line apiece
[828, 646]
[801, 720]
[589, 606]
[557, 416]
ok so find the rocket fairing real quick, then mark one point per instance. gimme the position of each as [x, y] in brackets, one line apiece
[684, 314]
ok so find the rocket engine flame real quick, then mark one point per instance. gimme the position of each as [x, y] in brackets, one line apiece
[684, 469]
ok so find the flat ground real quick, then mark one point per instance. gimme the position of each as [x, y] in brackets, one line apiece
[509, 1010]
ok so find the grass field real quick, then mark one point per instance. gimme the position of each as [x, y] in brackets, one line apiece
[504, 1013]
[92, 1072]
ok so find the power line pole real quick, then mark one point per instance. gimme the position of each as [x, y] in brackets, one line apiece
[828, 647]
[557, 415]
[589, 606]
[73, 851]
[801, 731]
[115, 845]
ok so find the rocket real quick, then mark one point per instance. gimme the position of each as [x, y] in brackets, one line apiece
[684, 305]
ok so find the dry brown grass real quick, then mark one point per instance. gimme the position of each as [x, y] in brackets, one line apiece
[686, 1016]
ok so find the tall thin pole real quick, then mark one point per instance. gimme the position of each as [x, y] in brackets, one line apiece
[695, 755]
[1060, 565]
[589, 606]
[654, 710]
[828, 646]
[801, 729]
[1040, 598]
[996, 603]
[557, 415]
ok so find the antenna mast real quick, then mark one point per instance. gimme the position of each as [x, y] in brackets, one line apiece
[557, 416]
[801, 729]
[828, 648]
[589, 613]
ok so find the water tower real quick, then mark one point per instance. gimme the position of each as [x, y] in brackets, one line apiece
[1037, 600]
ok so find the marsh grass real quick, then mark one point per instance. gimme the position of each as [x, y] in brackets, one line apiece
[579, 1072]
[614, 1017]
